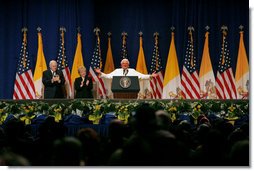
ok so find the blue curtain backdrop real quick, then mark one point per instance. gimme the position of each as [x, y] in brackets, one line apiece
[117, 16]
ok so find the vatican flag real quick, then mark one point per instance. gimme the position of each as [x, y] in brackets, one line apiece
[141, 67]
[39, 68]
[242, 71]
[141, 63]
[78, 59]
[171, 83]
[206, 75]
[108, 68]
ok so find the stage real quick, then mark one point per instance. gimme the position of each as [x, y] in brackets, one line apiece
[75, 114]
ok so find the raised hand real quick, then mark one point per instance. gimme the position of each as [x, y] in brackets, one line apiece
[97, 70]
[154, 74]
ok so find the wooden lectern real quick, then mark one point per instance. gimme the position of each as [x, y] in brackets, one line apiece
[125, 87]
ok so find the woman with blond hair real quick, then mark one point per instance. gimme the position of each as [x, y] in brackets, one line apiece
[83, 85]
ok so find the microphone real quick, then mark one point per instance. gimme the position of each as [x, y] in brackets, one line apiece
[125, 72]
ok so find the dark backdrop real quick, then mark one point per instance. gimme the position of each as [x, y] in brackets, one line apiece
[117, 16]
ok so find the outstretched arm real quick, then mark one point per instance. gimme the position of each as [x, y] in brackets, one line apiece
[103, 75]
[146, 76]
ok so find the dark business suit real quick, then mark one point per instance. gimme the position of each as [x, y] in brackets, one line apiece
[86, 90]
[55, 89]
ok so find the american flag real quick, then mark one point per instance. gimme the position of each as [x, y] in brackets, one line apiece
[24, 85]
[96, 62]
[225, 82]
[124, 53]
[156, 83]
[62, 63]
[190, 80]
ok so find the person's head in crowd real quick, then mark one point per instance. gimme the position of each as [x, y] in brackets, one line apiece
[90, 145]
[50, 129]
[2, 138]
[67, 152]
[82, 71]
[8, 158]
[14, 128]
[53, 65]
[239, 154]
[237, 135]
[164, 120]
[185, 126]
[116, 130]
[145, 119]
[202, 132]
[125, 64]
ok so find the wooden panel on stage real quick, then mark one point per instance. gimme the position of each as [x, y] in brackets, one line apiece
[126, 95]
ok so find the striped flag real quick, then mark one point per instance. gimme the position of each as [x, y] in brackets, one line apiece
[171, 84]
[39, 67]
[62, 64]
[190, 79]
[225, 82]
[242, 70]
[206, 76]
[156, 84]
[96, 62]
[124, 53]
[24, 85]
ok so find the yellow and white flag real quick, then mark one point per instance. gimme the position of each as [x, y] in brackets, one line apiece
[141, 67]
[242, 71]
[141, 63]
[78, 59]
[39, 68]
[206, 75]
[109, 64]
[77, 62]
[108, 68]
[171, 83]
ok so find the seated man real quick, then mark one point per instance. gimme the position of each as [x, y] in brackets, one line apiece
[125, 71]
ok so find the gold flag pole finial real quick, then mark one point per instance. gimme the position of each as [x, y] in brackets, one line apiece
[140, 33]
[241, 28]
[78, 29]
[172, 28]
[39, 29]
[124, 36]
[224, 30]
[109, 34]
[156, 37]
[96, 30]
[62, 30]
[24, 29]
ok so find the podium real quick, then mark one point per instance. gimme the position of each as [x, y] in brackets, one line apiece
[125, 87]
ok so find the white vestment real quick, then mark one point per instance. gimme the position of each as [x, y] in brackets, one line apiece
[127, 72]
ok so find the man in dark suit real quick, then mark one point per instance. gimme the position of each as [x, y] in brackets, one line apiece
[53, 81]
[83, 85]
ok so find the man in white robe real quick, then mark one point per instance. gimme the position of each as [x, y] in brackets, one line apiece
[126, 71]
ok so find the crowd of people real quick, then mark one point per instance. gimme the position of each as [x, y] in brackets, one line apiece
[149, 139]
